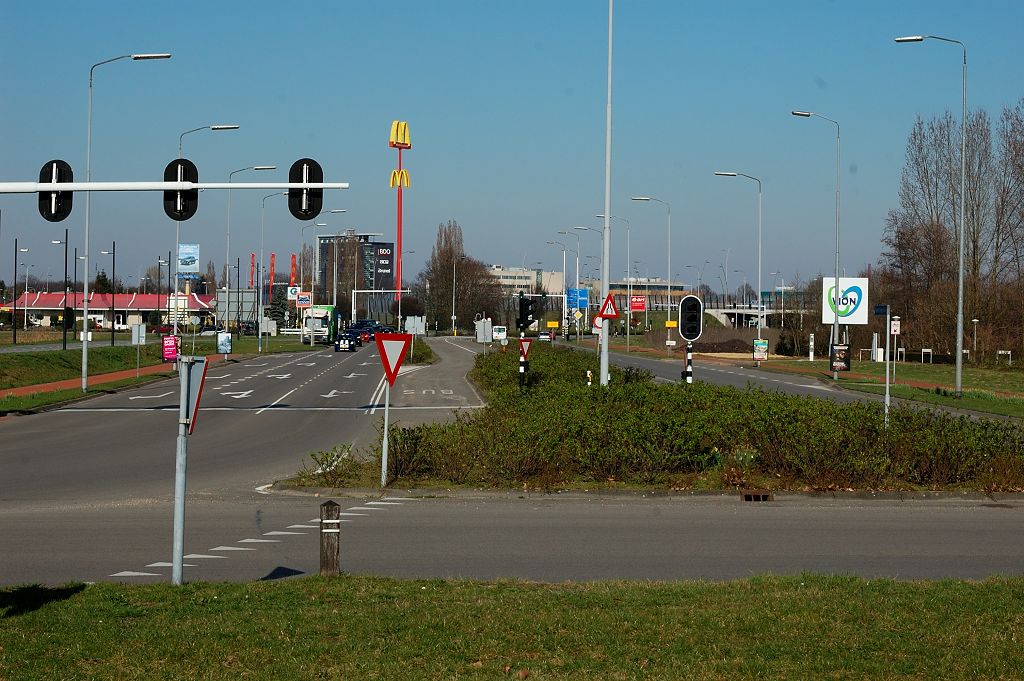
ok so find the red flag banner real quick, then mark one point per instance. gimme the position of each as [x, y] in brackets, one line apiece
[252, 269]
[291, 279]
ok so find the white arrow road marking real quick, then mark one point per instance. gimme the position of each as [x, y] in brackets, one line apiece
[258, 365]
[279, 375]
[307, 364]
[128, 573]
[366, 364]
[303, 527]
[151, 397]
[198, 556]
[168, 565]
[231, 548]
[364, 508]
[258, 541]
[383, 503]
[210, 378]
[238, 395]
[276, 533]
[353, 375]
[335, 393]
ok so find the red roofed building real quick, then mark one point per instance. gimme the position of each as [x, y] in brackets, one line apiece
[129, 308]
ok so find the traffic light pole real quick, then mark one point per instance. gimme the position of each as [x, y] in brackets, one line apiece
[688, 374]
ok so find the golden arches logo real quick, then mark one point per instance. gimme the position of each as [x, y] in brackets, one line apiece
[399, 177]
[399, 138]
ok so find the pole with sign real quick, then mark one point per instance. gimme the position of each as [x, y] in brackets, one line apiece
[524, 364]
[880, 310]
[392, 348]
[191, 375]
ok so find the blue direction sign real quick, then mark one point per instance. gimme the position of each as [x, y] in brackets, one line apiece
[576, 298]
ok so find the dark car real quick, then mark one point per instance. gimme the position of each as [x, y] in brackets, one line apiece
[247, 328]
[162, 329]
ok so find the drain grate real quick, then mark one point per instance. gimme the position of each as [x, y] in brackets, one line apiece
[757, 495]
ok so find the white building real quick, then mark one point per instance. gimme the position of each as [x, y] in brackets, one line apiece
[526, 280]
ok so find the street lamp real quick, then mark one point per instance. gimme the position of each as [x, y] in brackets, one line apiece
[227, 247]
[27, 267]
[14, 316]
[975, 322]
[64, 335]
[836, 292]
[88, 205]
[259, 283]
[668, 275]
[177, 223]
[963, 200]
[113, 286]
[565, 293]
[455, 259]
[755, 179]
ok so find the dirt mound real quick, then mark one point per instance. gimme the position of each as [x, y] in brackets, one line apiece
[730, 345]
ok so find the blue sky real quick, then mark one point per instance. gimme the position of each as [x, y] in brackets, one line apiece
[506, 105]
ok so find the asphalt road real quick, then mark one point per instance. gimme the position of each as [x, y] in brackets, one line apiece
[86, 494]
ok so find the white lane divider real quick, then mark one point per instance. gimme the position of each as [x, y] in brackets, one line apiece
[277, 401]
[150, 397]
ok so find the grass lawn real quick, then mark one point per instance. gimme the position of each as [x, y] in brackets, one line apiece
[1005, 380]
[974, 400]
[803, 627]
[36, 400]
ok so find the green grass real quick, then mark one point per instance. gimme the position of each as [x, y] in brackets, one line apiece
[28, 403]
[974, 400]
[802, 627]
[421, 353]
[1007, 379]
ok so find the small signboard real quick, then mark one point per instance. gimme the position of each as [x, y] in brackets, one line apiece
[524, 347]
[577, 315]
[224, 342]
[894, 327]
[169, 348]
[840, 357]
[293, 292]
[196, 370]
[760, 349]
[552, 324]
[392, 348]
[608, 309]
[671, 324]
[637, 303]
[304, 299]
[138, 334]
[576, 298]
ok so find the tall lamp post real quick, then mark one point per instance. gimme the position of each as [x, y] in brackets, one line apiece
[64, 324]
[963, 200]
[629, 284]
[27, 267]
[565, 294]
[227, 247]
[600, 267]
[455, 259]
[88, 202]
[578, 251]
[177, 223]
[782, 324]
[14, 316]
[836, 292]
[759, 306]
[113, 286]
[975, 351]
[259, 282]
[668, 274]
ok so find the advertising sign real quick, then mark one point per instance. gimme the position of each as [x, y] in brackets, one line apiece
[840, 357]
[223, 343]
[169, 348]
[853, 300]
[304, 299]
[894, 325]
[637, 303]
[293, 292]
[760, 349]
[383, 273]
[188, 261]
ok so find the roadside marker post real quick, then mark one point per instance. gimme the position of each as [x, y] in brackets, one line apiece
[191, 376]
[524, 363]
[392, 348]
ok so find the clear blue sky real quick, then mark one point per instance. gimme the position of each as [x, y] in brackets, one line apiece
[506, 105]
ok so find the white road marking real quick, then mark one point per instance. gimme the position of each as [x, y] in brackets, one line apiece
[214, 378]
[449, 342]
[239, 394]
[198, 556]
[277, 533]
[231, 548]
[277, 400]
[335, 393]
[151, 397]
[383, 503]
[353, 375]
[355, 514]
[168, 565]
[364, 508]
[307, 364]
[258, 541]
[279, 375]
[305, 527]
[128, 573]
[262, 489]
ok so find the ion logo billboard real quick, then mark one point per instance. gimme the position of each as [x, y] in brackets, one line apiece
[853, 300]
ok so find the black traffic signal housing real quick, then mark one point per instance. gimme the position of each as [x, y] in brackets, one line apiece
[691, 318]
[305, 204]
[55, 206]
[526, 313]
[181, 205]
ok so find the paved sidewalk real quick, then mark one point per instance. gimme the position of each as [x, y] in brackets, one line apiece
[99, 379]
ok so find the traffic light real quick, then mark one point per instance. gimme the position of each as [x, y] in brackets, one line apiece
[181, 205]
[691, 318]
[305, 204]
[55, 206]
[526, 313]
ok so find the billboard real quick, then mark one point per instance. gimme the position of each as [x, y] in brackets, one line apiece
[853, 300]
[576, 298]
[384, 269]
[188, 261]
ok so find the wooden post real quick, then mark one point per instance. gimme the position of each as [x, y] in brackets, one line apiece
[330, 539]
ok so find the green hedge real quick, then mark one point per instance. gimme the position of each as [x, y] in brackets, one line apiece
[559, 431]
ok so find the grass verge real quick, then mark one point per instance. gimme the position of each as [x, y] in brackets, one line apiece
[30, 403]
[974, 400]
[362, 627]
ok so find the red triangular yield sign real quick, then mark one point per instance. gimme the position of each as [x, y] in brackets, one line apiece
[524, 347]
[392, 347]
[608, 309]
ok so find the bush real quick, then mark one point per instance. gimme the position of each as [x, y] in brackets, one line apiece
[558, 431]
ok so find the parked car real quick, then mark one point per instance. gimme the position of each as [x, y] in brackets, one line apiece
[162, 329]
[247, 328]
[544, 336]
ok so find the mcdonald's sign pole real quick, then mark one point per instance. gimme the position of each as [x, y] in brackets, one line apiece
[399, 139]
